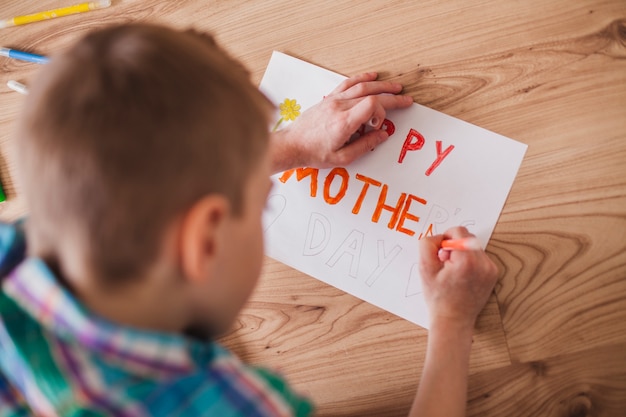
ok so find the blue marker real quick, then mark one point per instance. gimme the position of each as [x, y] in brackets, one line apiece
[24, 56]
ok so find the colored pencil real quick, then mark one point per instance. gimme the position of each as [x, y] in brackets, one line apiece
[24, 56]
[468, 243]
[17, 86]
[50, 14]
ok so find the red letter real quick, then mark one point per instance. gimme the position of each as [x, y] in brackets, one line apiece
[301, 173]
[406, 215]
[388, 127]
[440, 157]
[342, 189]
[394, 210]
[410, 145]
[367, 181]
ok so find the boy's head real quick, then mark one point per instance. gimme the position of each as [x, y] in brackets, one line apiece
[126, 132]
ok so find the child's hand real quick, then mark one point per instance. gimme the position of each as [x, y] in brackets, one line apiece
[319, 137]
[456, 286]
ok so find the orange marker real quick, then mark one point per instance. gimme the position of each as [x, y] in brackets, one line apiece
[468, 243]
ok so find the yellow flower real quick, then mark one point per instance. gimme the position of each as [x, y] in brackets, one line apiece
[289, 109]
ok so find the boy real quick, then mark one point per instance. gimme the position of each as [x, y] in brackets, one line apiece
[145, 160]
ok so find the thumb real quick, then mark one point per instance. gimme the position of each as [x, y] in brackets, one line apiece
[362, 145]
[430, 264]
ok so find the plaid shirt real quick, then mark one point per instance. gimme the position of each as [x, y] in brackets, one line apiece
[58, 359]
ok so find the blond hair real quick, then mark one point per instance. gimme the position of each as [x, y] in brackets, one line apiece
[126, 130]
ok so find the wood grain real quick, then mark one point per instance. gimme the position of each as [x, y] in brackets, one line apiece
[552, 74]
[586, 383]
[322, 338]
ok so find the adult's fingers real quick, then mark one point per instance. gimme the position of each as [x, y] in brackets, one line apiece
[377, 118]
[359, 147]
[362, 112]
[374, 106]
[394, 101]
[349, 82]
[370, 88]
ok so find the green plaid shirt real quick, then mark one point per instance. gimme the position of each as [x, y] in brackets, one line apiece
[58, 359]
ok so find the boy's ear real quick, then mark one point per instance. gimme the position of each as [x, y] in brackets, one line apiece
[200, 236]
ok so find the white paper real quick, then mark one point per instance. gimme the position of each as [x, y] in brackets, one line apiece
[352, 252]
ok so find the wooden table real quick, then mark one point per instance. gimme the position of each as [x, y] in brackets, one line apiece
[549, 73]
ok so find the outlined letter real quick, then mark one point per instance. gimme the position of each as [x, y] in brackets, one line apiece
[436, 215]
[351, 247]
[414, 286]
[276, 204]
[384, 259]
[317, 235]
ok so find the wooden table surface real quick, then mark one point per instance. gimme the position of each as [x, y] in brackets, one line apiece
[549, 73]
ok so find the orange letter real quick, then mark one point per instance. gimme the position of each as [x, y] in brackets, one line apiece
[394, 210]
[410, 145]
[440, 157]
[301, 173]
[406, 215]
[367, 181]
[429, 232]
[342, 189]
[286, 175]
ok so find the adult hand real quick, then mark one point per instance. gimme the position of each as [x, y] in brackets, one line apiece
[456, 284]
[320, 137]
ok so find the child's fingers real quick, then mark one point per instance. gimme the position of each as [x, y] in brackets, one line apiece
[430, 264]
[466, 258]
[457, 232]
